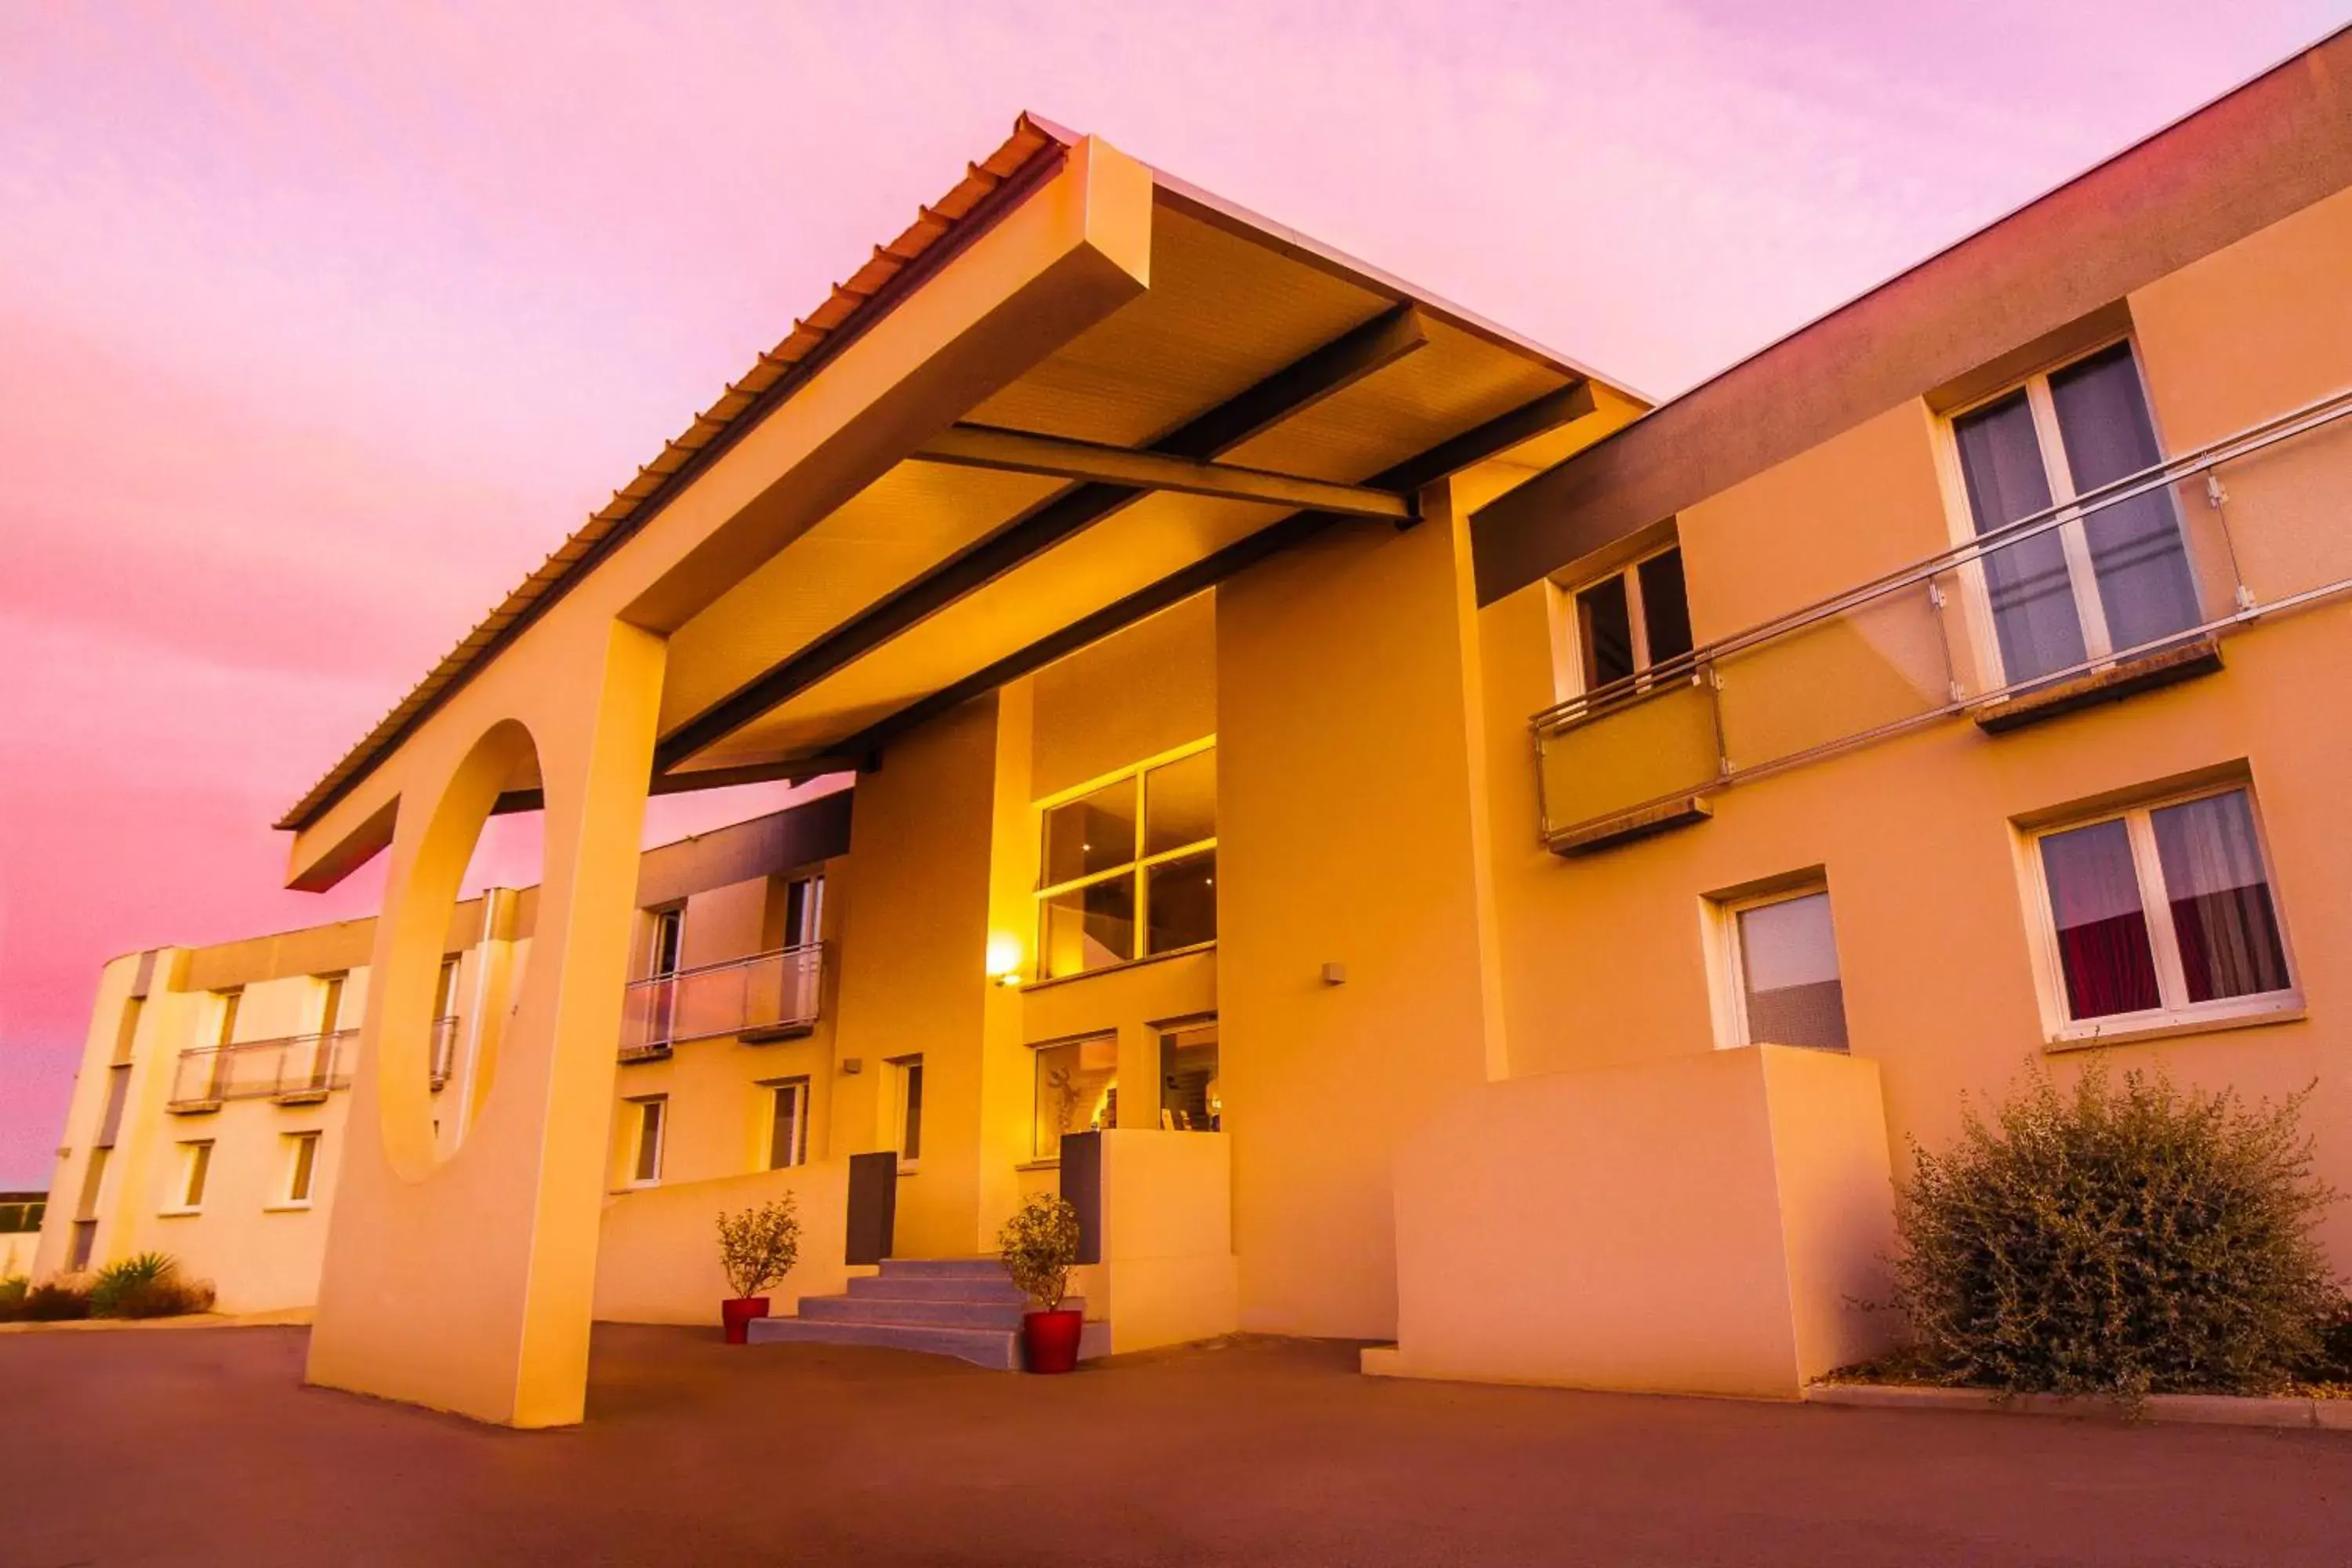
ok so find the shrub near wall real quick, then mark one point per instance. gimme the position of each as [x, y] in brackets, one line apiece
[2119, 1240]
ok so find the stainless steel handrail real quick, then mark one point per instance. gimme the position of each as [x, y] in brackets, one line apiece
[1675, 671]
[1704, 667]
[799, 988]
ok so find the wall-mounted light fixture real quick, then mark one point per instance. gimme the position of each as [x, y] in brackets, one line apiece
[1335, 974]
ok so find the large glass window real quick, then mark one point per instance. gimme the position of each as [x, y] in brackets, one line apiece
[1077, 1091]
[2105, 581]
[1785, 967]
[1129, 868]
[2164, 909]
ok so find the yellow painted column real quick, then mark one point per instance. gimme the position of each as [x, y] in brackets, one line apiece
[464, 1282]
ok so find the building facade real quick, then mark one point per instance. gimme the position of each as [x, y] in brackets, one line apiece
[1425, 847]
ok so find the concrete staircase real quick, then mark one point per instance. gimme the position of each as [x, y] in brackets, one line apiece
[959, 1307]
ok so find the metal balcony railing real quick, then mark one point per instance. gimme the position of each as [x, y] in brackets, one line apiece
[297, 1067]
[772, 994]
[2263, 518]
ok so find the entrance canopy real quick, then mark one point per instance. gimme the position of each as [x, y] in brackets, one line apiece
[1074, 392]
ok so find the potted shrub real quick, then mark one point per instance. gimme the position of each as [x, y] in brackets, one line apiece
[757, 1248]
[1040, 1247]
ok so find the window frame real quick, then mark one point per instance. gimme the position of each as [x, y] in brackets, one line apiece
[1037, 1049]
[293, 1172]
[1137, 870]
[798, 1088]
[2174, 1014]
[191, 1177]
[659, 1106]
[905, 1073]
[664, 916]
[1729, 951]
[2058, 472]
[1578, 681]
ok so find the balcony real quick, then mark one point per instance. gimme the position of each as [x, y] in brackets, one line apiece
[295, 1070]
[767, 996]
[2262, 526]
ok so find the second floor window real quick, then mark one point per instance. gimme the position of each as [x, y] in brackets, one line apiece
[1634, 618]
[1131, 867]
[669, 941]
[2105, 581]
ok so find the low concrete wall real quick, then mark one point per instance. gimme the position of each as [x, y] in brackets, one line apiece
[1700, 1226]
[657, 1259]
[1168, 1273]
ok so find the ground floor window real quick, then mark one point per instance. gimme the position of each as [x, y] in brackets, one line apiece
[2163, 910]
[653, 1116]
[302, 1165]
[1781, 954]
[196, 1166]
[787, 1123]
[910, 1109]
[1190, 1100]
[1077, 1091]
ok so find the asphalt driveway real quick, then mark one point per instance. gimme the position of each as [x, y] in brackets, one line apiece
[201, 1447]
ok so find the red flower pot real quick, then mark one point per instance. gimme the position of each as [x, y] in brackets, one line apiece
[1049, 1341]
[737, 1316]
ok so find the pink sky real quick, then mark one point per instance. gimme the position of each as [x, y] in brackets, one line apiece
[319, 325]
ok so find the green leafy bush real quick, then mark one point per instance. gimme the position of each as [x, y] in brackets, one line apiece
[149, 1285]
[13, 1291]
[759, 1247]
[1040, 1247]
[2118, 1240]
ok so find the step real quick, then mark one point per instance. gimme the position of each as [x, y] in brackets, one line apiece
[943, 1267]
[999, 1350]
[941, 1314]
[934, 1288]
[996, 1349]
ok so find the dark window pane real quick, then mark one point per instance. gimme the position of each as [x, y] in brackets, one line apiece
[1184, 902]
[1665, 611]
[1605, 624]
[910, 1140]
[2136, 546]
[1188, 1097]
[2032, 599]
[1179, 802]
[1090, 834]
[2220, 898]
[2094, 902]
[1087, 928]
[1787, 960]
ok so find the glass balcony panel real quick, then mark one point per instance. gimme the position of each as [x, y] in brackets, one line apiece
[1881, 662]
[1659, 745]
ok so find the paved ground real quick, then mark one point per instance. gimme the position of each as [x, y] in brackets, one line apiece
[201, 1448]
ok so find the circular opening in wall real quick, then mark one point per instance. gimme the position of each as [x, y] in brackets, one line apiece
[461, 932]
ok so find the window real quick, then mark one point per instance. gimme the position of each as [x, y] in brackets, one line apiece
[85, 1240]
[1077, 1091]
[195, 1165]
[788, 1123]
[910, 1109]
[803, 911]
[230, 1001]
[1632, 619]
[1131, 867]
[669, 940]
[1189, 1097]
[646, 1168]
[2103, 582]
[301, 1166]
[442, 1060]
[1783, 970]
[330, 1002]
[2162, 913]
